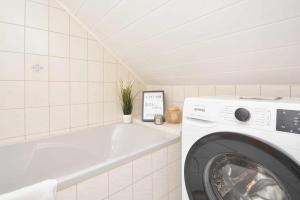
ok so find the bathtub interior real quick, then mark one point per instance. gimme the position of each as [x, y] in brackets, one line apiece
[56, 157]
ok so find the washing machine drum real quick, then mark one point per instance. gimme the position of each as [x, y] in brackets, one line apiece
[231, 166]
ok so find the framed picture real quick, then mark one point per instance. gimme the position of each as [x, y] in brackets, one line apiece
[153, 104]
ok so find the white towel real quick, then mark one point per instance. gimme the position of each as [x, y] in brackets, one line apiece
[45, 190]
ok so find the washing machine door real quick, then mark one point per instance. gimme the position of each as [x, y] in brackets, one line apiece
[231, 166]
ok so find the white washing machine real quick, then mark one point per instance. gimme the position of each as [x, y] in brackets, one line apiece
[241, 149]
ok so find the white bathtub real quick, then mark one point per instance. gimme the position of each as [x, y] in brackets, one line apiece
[75, 157]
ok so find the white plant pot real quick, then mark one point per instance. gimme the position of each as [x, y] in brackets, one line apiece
[127, 119]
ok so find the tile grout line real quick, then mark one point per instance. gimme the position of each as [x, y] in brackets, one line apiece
[88, 83]
[132, 180]
[70, 83]
[103, 75]
[49, 84]
[24, 54]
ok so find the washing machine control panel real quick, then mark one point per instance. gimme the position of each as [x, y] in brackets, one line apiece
[288, 121]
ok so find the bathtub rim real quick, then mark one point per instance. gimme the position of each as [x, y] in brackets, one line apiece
[69, 180]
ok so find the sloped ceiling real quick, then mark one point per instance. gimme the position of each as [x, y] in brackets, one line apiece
[199, 41]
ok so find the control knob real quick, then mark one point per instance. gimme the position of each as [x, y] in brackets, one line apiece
[242, 114]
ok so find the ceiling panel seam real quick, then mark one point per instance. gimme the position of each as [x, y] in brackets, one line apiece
[109, 11]
[237, 54]
[207, 40]
[140, 18]
[189, 22]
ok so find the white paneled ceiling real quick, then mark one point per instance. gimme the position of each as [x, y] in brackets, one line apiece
[199, 41]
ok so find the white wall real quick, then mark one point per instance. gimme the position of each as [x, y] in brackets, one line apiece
[54, 77]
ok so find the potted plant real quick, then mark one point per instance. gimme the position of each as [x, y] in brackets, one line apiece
[126, 98]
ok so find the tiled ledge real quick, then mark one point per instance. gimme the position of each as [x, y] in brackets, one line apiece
[167, 127]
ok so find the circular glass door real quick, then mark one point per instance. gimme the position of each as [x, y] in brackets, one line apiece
[232, 166]
[232, 176]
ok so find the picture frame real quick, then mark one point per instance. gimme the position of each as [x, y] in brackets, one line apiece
[153, 104]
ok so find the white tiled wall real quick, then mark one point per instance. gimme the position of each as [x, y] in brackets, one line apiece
[175, 94]
[53, 76]
[155, 176]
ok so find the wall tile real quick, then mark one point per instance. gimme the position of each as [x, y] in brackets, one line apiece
[275, 90]
[95, 71]
[248, 90]
[12, 11]
[90, 36]
[53, 3]
[47, 91]
[178, 93]
[12, 38]
[142, 190]
[78, 93]
[120, 177]
[95, 92]
[36, 15]
[109, 58]
[175, 194]
[11, 94]
[36, 41]
[78, 70]
[58, 69]
[93, 189]
[159, 158]
[174, 152]
[37, 120]
[125, 194]
[95, 51]
[79, 115]
[110, 72]
[36, 94]
[59, 45]
[59, 21]
[76, 29]
[295, 91]
[110, 92]
[168, 92]
[95, 113]
[142, 167]
[207, 90]
[67, 194]
[78, 48]
[36, 67]
[191, 91]
[174, 178]
[225, 90]
[59, 117]
[45, 2]
[11, 66]
[7, 130]
[160, 183]
[59, 93]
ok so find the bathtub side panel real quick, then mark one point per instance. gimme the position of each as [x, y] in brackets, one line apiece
[140, 179]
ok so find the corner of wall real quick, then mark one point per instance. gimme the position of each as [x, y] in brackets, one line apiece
[105, 47]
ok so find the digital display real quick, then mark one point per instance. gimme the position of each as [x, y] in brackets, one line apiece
[288, 121]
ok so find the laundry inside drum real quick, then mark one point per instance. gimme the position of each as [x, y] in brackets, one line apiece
[233, 177]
